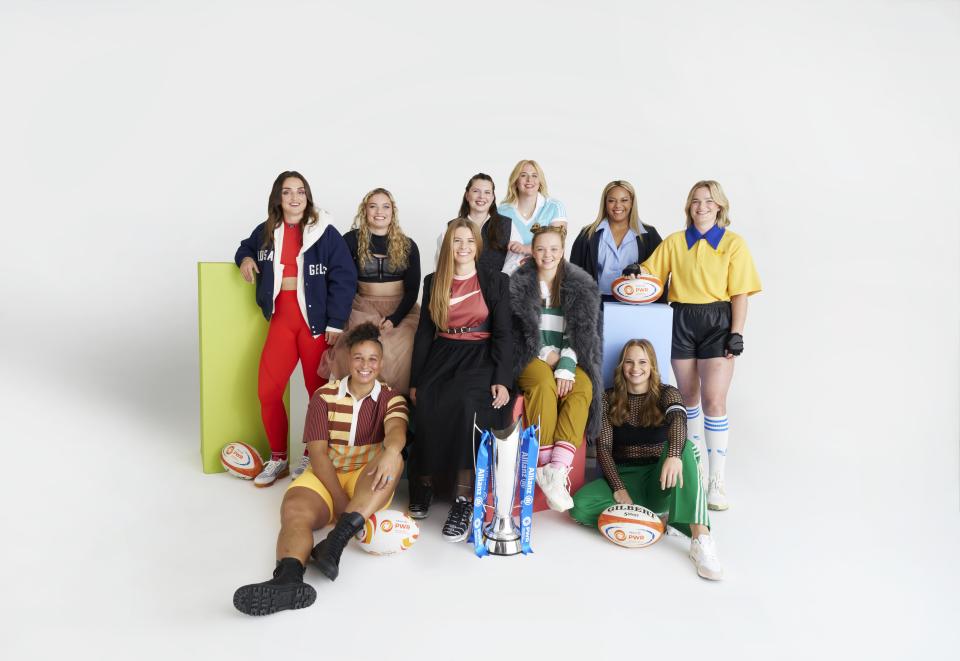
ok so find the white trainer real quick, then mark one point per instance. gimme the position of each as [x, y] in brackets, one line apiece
[272, 470]
[716, 496]
[298, 471]
[554, 483]
[703, 552]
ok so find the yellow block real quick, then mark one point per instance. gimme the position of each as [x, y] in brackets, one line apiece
[232, 332]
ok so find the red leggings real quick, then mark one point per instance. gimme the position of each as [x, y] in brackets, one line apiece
[288, 340]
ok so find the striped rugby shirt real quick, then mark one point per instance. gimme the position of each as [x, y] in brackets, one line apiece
[553, 337]
[352, 428]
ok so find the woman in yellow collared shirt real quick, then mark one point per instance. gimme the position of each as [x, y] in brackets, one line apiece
[711, 275]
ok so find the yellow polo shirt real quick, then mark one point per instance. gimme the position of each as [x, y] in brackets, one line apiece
[701, 274]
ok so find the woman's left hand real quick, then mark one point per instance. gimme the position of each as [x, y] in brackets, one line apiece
[672, 473]
[386, 325]
[387, 464]
[564, 386]
[500, 395]
[332, 336]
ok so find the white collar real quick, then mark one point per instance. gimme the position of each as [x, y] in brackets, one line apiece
[373, 394]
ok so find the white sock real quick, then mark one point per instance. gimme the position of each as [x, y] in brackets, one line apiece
[717, 434]
[695, 430]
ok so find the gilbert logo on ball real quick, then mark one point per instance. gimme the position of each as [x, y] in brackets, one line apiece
[637, 290]
[241, 460]
[388, 531]
[630, 526]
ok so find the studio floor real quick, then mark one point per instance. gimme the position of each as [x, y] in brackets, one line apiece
[138, 557]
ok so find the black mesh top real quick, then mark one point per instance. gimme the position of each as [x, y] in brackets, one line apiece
[632, 445]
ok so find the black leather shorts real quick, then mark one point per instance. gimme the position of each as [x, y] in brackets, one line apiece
[700, 330]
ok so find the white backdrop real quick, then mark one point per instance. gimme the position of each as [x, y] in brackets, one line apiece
[138, 140]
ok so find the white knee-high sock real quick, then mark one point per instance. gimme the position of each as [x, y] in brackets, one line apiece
[717, 435]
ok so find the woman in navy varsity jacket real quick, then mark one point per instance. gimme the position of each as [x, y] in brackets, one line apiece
[305, 285]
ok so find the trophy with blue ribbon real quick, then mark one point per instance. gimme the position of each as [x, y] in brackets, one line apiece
[505, 458]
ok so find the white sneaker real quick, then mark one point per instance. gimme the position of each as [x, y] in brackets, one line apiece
[716, 496]
[271, 471]
[703, 552]
[554, 483]
[298, 471]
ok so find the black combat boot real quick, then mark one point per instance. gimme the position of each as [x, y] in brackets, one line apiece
[326, 554]
[286, 590]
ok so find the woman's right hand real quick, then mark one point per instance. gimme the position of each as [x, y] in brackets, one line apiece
[247, 268]
[413, 396]
[622, 497]
[519, 248]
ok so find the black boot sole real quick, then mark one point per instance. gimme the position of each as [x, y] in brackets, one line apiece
[264, 599]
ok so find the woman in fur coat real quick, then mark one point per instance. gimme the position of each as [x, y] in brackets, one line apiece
[557, 356]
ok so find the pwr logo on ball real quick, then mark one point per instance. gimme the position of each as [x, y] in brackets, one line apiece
[388, 531]
[386, 526]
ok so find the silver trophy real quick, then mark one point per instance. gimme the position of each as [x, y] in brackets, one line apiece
[501, 536]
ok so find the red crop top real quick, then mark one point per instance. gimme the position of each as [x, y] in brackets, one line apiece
[292, 242]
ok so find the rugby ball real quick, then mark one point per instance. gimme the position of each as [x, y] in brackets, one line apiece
[637, 290]
[388, 531]
[241, 460]
[630, 526]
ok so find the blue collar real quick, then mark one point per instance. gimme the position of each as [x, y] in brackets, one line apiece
[712, 236]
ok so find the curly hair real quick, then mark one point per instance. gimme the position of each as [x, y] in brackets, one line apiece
[365, 332]
[398, 245]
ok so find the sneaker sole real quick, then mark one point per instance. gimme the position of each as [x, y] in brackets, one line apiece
[705, 574]
[419, 516]
[718, 508]
[267, 599]
[283, 473]
[458, 538]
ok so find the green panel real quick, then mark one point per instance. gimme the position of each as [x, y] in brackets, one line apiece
[232, 331]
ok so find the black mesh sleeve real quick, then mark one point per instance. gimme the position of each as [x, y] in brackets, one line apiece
[671, 403]
[605, 449]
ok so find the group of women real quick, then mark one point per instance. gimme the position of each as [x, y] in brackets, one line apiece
[505, 313]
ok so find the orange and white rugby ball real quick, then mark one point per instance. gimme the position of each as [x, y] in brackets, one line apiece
[241, 460]
[637, 290]
[630, 526]
[388, 531]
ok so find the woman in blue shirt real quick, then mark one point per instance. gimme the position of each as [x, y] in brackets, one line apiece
[616, 239]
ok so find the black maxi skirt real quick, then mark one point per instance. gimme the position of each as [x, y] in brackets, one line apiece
[455, 385]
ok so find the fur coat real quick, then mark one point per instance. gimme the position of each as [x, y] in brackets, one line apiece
[581, 309]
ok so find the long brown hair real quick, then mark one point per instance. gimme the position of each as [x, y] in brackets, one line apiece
[538, 230]
[443, 277]
[650, 413]
[275, 209]
[497, 242]
[398, 245]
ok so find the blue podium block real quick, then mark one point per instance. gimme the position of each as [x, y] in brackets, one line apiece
[622, 322]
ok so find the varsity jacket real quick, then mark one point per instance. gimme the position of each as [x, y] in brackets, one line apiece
[495, 289]
[581, 309]
[585, 253]
[328, 278]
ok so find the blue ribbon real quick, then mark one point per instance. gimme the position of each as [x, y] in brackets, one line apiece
[480, 494]
[529, 451]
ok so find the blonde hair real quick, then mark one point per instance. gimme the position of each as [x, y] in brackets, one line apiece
[511, 197]
[443, 277]
[539, 230]
[633, 219]
[716, 192]
[398, 245]
[650, 413]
